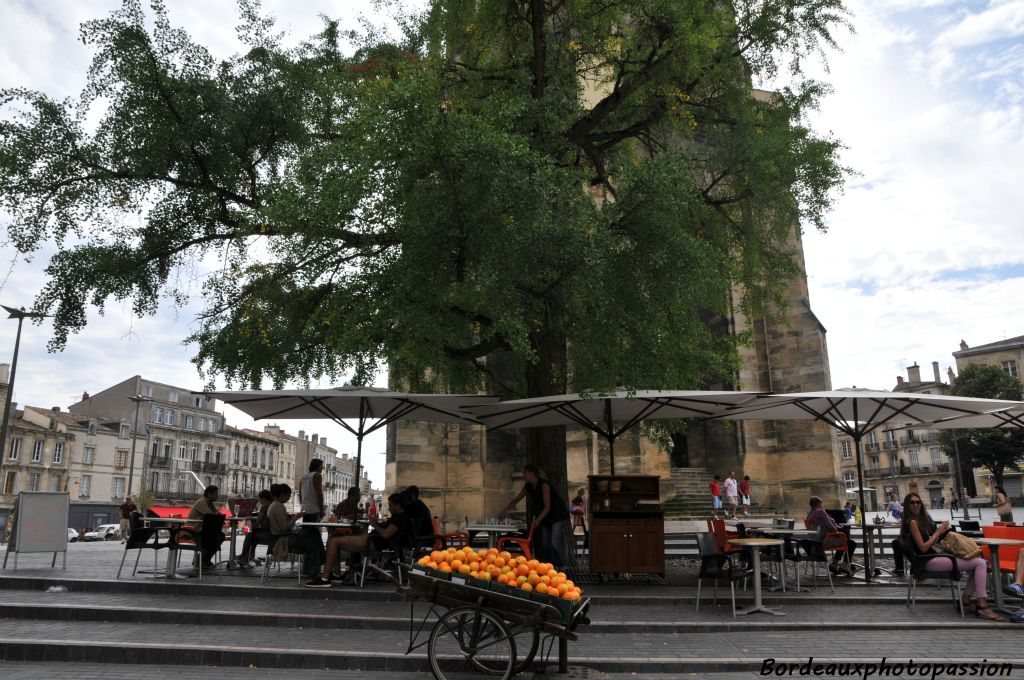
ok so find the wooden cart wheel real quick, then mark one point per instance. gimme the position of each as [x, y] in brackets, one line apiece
[527, 640]
[468, 641]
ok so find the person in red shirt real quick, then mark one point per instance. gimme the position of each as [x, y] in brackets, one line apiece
[745, 494]
[716, 495]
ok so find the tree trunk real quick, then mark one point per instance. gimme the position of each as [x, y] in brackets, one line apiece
[545, 446]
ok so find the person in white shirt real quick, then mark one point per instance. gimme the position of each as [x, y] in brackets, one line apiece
[731, 496]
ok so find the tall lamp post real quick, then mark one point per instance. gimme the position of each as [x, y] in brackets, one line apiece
[138, 399]
[20, 315]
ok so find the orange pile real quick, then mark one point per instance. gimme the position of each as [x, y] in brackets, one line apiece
[516, 572]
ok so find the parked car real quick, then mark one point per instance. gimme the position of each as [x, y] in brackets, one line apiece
[104, 532]
[72, 535]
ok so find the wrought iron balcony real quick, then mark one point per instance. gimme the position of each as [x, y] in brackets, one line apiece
[159, 462]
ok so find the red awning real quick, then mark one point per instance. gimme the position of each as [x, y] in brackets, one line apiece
[179, 511]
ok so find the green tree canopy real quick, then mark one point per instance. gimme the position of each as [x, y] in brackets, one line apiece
[569, 189]
[995, 449]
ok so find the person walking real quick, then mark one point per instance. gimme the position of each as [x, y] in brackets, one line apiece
[125, 511]
[1003, 506]
[552, 516]
[745, 495]
[731, 494]
[715, 489]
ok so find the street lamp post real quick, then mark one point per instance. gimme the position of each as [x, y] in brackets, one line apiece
[138, 399]
[20, 315]
[959, 476]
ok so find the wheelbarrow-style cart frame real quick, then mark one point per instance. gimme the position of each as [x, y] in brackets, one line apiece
[483, 630]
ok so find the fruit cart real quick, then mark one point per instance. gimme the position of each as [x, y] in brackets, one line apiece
[479, 630]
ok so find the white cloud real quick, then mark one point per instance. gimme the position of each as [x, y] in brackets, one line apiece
[999, 21]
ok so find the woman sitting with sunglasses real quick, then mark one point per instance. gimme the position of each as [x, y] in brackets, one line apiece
[919, 532]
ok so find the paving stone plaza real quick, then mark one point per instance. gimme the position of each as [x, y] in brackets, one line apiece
[232, 626]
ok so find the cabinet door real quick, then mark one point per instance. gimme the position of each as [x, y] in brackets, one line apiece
[608, 549]
[646, 549]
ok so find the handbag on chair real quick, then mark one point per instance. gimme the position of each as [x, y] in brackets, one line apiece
[959, 545]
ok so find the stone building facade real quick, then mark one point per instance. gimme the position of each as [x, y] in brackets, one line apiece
[465, 472]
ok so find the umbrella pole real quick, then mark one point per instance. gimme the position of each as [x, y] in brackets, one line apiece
[869, 558]
[359, 461]
[611, 452]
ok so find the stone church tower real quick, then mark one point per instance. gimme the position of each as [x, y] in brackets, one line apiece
[463, 471]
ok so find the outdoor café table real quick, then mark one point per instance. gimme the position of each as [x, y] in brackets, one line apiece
[993, 558]
[754, 544]
[172, 552]
[869, 545]
[787, 536]
[233, 521]
[493, 531]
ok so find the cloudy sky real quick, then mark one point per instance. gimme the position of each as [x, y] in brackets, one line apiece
[925, 248]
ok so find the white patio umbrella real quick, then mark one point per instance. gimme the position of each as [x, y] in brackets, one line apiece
[1009, 418]
[607, 414]
[372, 408]
[856, 412]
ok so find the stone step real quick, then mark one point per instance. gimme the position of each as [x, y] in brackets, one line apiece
[375, 652]
[676, 615]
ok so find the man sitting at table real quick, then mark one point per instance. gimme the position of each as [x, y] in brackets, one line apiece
[394, 534]
[419, 513]
[819, 517]
[348, 509]
[210, 542]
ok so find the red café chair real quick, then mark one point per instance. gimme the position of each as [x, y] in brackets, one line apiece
[716, 527]
[522, 543]
[1007, 553]
[835, 541]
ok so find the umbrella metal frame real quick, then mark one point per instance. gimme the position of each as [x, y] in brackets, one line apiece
[570, 410]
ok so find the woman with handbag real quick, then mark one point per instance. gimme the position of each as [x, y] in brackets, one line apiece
[919, 532]
[1002, 505]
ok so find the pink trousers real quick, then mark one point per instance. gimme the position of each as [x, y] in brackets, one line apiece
[976, 569]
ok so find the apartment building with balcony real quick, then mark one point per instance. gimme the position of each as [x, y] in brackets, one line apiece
[184, 435]
[35, 456]
[253, 463]
[901, 457]
[1009, 356]
[98, 465]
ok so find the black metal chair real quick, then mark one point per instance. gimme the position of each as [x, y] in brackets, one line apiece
[294, 553]
[718, 567]
[917, 573]
[142, 538]
[811, 552]
[970, 528]
[208, 538]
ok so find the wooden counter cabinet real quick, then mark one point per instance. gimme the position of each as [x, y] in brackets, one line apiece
[626, 538]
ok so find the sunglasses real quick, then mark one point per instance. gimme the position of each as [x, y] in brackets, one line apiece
[914, 503]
